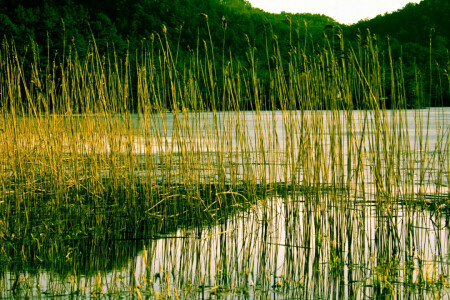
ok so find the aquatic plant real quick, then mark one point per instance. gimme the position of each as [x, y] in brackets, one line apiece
[79, 164]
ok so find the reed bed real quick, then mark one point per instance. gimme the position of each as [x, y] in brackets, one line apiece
[332, 187]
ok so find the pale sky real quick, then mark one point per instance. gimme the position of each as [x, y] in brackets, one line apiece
[343, 11]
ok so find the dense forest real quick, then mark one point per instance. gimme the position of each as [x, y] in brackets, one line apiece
[127, 22]
[418, 33]
[415, 26]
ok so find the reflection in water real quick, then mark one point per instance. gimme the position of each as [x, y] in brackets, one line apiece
[292, 204]
[296, 246]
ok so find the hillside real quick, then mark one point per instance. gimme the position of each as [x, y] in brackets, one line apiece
[231, 27]
[412, 23]
[124, 22]
[413, 29]
[120, 22]
[418, 34]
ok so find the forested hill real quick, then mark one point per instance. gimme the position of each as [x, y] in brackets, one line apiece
[413, 22]
[230, 26]
[120, 22]
[126, 22]
[413, 28]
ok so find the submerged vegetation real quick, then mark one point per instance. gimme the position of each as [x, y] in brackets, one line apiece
[170, 176]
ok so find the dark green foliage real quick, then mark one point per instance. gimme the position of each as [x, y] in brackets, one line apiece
[419, 34]
[123, 21]
[229, 26]
[413, 23]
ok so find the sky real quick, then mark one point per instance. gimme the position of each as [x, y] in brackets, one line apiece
[343, 11]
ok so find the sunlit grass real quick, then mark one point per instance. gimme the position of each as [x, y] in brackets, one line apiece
[82, 167]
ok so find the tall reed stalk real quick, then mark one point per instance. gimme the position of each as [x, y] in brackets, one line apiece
[109, 145]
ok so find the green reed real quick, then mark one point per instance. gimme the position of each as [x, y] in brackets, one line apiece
[79, 159]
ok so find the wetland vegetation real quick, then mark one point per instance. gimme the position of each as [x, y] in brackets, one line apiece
[301, 174]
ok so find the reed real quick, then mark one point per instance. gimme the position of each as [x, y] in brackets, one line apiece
[80, 162]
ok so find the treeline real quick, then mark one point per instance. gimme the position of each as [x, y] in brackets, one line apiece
[231, 27]
[419, 35]
[125, 23]
[415, 25]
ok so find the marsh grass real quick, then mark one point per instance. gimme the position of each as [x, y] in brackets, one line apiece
[80, 163]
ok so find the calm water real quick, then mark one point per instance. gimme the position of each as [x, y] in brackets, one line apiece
[328, 243]
[286, 247]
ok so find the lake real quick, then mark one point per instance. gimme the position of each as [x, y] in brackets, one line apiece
[296, 204]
